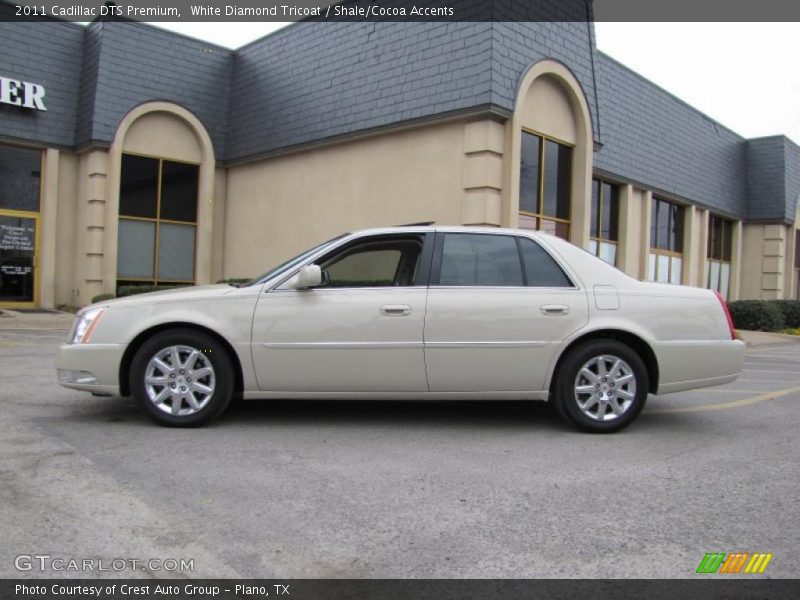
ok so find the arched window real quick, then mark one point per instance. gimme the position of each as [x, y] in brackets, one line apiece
[157, 221]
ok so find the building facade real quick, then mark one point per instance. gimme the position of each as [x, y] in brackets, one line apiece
[130, 155]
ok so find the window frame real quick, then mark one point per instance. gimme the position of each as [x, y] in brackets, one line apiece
[157, 220]
[423, 269]
[438, 254]
[720, 260]
[539, 215]
[602, 182]
[669, 253]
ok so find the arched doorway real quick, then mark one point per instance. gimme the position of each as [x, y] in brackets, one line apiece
[551, 154]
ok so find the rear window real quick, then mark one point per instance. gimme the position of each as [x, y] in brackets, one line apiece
[540, 268]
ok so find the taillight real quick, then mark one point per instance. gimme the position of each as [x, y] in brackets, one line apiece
[727, 313]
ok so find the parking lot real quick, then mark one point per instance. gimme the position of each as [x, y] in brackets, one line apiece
[391, 489]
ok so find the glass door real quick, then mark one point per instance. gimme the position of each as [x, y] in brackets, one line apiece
[18, 258]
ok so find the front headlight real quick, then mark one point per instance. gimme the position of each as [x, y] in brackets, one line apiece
[87, 321]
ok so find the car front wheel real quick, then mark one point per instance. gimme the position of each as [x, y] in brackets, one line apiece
[182, 378]
[601, 387]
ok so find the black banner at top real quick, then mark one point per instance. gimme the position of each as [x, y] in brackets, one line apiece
[400, 10]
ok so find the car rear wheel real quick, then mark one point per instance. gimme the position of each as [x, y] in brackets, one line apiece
[182, 378]
[601, 386]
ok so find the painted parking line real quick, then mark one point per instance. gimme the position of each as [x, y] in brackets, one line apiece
[732, 404]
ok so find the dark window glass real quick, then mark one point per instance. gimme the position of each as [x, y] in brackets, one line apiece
[727, 239]
[17, 264]
[476, 259]
[557, 160]
[595, 208]
[179, 191]
[666, 227]
[138, 190]
[720, 238]
[797, 249]
[379, 263]
[610, 217]
[676, 228]
[529, 173]
[540, 268]
[20, 178]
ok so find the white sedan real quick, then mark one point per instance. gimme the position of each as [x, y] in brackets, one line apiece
[411, 312]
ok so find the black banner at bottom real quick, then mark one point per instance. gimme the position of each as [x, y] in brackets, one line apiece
[397, 589]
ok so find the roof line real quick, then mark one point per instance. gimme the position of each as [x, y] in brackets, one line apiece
[670, 94]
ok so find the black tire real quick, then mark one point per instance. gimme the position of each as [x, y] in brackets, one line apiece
[213, 405]
[564, 388]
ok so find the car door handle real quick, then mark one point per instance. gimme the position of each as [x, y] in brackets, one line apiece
[395, 310]
[554, 309]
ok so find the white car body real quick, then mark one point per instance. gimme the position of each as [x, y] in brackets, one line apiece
[459, 342]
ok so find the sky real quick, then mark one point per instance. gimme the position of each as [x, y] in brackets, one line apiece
[743, 75]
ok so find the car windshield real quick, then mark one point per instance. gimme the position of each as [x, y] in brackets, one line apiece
[290, 263]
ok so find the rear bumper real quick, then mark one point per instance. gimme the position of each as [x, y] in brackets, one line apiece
[685, 365]
[89, 367]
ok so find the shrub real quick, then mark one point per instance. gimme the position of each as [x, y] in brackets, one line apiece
[790, 309]
[130, 290]
[102, 297]
[756, 315]
[235, 280]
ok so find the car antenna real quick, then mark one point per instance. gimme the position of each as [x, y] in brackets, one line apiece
[420, 224]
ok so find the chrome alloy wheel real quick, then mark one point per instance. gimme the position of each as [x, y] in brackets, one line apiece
[179, 380]
[605, 388]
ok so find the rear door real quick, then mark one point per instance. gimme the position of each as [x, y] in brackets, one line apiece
[499, 305]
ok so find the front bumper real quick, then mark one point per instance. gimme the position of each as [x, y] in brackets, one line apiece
[89, 367]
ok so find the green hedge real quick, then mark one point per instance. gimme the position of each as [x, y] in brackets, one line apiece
[758, 315]
[103, 297]
[235, 280]
[790, 309]
[131, 290]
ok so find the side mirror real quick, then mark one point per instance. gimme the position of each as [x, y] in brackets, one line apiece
[308, 277]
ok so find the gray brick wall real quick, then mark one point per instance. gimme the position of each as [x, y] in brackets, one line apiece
[312, 81]
[766, 178]
[652, 137]
[791, 178]
[140, 63]
[517, 45]
[48, 53]
[92, 43]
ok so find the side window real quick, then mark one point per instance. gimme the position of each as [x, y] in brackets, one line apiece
[376, 263]
[540, 268]
[471, 259]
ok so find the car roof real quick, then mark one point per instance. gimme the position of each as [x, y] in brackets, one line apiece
[447, 228]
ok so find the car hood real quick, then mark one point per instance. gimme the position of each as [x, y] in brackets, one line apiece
[183, 294]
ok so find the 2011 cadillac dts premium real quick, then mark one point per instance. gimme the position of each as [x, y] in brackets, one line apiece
[411, 312]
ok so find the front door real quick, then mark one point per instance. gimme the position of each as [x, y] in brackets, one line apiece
[498, 308]
[360, 332]
[18, 256]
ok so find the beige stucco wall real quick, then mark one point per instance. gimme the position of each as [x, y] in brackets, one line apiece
[764, 261]
[547, 109]
[66, 230]
[277, 207]
[164, 135]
